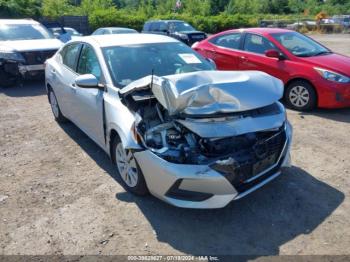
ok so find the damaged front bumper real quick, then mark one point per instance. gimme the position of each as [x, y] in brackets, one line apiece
[205, 186]
[15, 71]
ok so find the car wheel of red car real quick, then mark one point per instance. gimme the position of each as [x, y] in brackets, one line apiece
[300, 95]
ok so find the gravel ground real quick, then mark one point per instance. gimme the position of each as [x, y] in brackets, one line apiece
[59, 193]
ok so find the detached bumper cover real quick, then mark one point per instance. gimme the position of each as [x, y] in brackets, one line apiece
[200, 186]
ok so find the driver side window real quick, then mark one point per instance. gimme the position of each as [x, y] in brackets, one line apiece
[257, 44]
[88, 63]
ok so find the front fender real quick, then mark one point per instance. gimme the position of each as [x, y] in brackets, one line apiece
[120, 119]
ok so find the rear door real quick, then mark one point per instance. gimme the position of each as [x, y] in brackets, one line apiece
[224, 50]
[64, 75]
[88, 102]
[253, 57]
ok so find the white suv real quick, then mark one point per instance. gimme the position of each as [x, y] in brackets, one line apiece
[25, 45]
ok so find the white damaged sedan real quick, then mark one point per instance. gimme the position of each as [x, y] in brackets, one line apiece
[191, 136]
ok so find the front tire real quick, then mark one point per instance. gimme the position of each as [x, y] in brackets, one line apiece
[128, 169]
[300, 95]
[55, 108]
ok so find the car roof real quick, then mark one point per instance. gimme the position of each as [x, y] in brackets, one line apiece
[18, 22]
[113, 27]
[167, 21]
[126, 39]
[261, 30]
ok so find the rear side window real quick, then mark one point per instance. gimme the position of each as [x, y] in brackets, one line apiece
[257, 44]
[70, 54]
[231, 41]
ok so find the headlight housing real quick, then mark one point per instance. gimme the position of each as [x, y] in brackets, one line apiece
[183, 36]
[332, 76]
[11, 55]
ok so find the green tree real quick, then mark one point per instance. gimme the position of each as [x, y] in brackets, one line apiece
[56, 8]
[20, 8]
[88, 6]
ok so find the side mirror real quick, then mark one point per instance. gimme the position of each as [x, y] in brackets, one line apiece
[273, 54]
[87, 81]
[212, 62]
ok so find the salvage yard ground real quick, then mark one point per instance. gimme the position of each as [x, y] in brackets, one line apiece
[59, 193]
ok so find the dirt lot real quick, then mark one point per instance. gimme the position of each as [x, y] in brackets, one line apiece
[59, 194]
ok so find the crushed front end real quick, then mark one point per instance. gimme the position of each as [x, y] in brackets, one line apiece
[206, 142]
[16, 66]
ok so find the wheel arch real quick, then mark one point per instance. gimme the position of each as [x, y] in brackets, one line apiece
[48, 88]
[290, 81]
[112, 135]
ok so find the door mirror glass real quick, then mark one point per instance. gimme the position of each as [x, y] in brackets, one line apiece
[87, 81]
[273, 54]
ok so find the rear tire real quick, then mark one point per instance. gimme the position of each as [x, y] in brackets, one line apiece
[300, 95]
[55, 107]
[128, 169]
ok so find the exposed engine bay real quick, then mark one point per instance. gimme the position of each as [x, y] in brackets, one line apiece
[184, 138]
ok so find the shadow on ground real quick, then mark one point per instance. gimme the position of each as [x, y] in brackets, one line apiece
[339, 115]
[294, 204]
[28, 88]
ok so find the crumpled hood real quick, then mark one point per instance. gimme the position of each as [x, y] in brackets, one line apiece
[31, 45]
[211, 92]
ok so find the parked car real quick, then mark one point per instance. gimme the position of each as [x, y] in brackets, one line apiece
[65, 34]
[312, 74]
[24, 46]
[190, 135]
[58, 31]
[177, 29]
[114, 30]
[310, 25]
[343, 20]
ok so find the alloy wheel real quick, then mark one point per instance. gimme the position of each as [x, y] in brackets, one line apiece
[299, 96]
[54, 104]
[126, 165]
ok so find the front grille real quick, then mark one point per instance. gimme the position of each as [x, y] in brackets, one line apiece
[37, 57]
[251, 161]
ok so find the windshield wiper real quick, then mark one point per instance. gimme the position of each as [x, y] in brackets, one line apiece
[314, 54]
[322, 53]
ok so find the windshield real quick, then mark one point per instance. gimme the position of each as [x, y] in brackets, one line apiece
[129, 63]
[71, 31]
[23, 32]
[300, 45]
[180, 27]
[123, 31]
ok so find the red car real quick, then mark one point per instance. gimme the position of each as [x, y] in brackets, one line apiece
[313, 75]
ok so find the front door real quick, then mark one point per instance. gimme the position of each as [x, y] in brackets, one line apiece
[253, 57]
[88, 102]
